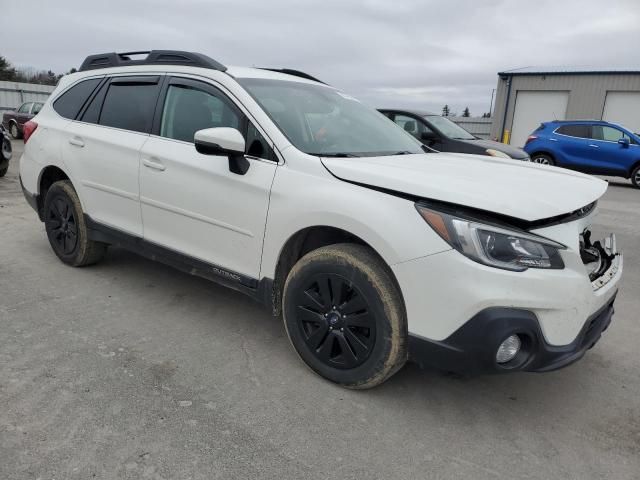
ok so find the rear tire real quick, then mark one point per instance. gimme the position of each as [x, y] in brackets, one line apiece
[345, 317]
[635, 177]
[13, 130]
[542, 159]
[66, 228]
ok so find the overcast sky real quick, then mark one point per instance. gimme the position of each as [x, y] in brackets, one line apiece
[407, 53]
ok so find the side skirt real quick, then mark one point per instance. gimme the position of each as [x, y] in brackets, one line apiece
[259, 290]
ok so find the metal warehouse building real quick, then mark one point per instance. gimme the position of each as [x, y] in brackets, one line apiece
[528, 96]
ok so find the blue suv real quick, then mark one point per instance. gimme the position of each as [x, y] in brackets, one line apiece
[589, 146]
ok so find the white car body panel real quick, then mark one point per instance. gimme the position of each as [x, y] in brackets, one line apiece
[196, 206]
[517, 189]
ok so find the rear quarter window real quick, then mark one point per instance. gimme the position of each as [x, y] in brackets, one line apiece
[70, 102]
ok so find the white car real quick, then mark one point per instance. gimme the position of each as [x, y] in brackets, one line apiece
[275, 184]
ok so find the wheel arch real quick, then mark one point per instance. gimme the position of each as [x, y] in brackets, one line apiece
[306, 240]
[544, 152]
[48, 176]
[633, 167]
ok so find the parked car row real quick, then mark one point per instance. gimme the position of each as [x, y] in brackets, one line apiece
[374, 248]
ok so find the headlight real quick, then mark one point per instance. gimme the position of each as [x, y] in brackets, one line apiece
[493, 245]
[496, 153]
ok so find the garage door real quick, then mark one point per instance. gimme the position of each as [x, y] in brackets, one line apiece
[533, 108]
[623, 108]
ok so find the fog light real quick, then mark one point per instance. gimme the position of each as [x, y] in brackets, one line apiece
[508, 349]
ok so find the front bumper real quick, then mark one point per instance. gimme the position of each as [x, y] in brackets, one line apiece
[472, 348]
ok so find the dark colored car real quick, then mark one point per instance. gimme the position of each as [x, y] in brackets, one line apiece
[590, 146]
[442, 134]
[15, 119]
[6, 151]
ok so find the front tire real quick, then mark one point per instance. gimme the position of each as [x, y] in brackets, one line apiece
[635, 177]
[345, 317]
[66, 228]
[543, 159]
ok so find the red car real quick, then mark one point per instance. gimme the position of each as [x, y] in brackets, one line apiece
[15, 120]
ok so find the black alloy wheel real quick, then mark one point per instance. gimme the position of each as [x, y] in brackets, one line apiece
[335, 321]
[345, 316]
[62, 226]
[6, 148]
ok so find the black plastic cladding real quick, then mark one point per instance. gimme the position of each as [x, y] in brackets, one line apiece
[154, 57]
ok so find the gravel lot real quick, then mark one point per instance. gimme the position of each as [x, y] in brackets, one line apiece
[130, 369]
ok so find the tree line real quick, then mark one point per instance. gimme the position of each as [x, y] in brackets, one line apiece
[446, 112]
[28, 75]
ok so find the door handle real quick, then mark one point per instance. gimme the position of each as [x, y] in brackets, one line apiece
[594, 146]
[154, 164]
[77, 141]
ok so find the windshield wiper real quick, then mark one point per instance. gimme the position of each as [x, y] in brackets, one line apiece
[335, 155]
[403, 152]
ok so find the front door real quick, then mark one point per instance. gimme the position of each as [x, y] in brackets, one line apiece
[192, 203]
[609, 156]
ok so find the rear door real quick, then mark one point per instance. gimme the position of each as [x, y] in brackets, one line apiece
[573, 143]
[103, 146]
[193, 203]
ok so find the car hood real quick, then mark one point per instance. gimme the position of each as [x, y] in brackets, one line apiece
[520, 190]
[513, 152]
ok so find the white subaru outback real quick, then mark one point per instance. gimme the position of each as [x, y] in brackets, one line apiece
[275, 184]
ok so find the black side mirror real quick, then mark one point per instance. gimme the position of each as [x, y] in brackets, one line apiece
[223, 141]
[624, 142]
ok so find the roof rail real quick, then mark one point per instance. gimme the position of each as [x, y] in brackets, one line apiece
[295, 73]
[154, 57]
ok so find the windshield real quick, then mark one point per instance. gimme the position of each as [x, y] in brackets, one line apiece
[320, 120]
[448, 128]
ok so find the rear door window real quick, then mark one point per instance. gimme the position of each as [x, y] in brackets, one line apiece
[578, 131]
[70, 102]
[129, 103]
[36, 108]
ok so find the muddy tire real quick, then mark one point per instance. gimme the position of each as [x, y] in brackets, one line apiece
[345, 317]
[66, 228]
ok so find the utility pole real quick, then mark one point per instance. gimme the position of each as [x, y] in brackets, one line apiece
[491, 103]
